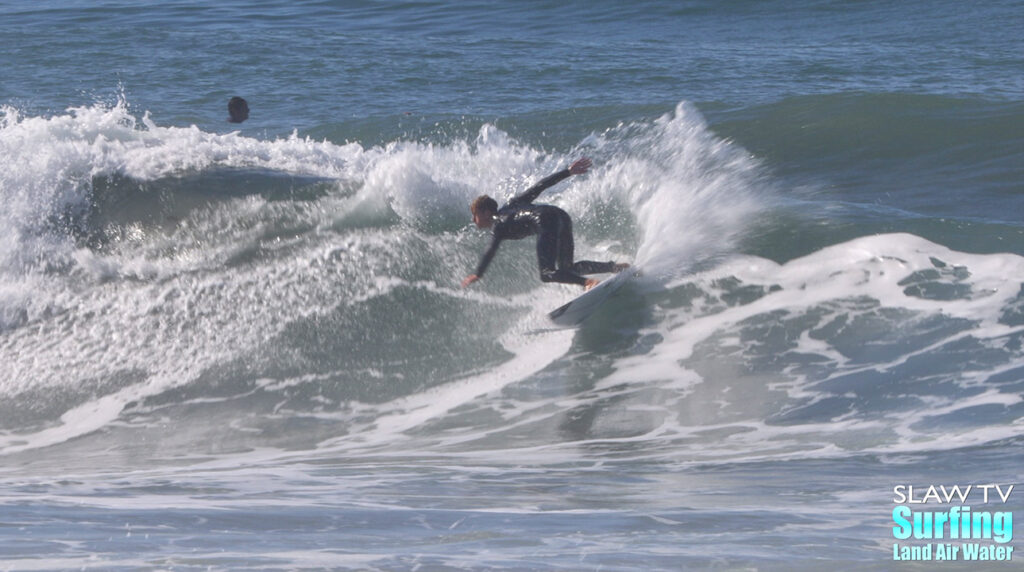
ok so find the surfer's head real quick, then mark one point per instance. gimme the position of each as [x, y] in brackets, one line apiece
[238, 110]
[484, 208]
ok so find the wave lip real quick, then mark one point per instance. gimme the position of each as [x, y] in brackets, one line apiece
[54, 161]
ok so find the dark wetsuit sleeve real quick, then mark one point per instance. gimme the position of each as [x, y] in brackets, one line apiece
[485, 260]
[533, 192]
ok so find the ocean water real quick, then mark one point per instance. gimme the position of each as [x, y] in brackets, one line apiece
[245, 346]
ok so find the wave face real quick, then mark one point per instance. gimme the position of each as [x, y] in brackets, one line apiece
[245, 346]
[152, 260]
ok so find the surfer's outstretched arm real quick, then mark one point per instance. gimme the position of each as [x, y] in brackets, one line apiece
[577, 168]
[485, 261]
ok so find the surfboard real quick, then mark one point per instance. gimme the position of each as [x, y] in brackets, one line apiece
[581, 307]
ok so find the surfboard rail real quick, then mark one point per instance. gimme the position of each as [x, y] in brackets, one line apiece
[581, 307]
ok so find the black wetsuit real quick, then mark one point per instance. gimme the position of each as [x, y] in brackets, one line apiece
[521, 218]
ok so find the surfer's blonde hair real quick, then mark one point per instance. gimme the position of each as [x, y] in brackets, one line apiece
[483, 203]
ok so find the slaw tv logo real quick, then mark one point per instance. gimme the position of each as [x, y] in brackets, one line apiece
[966, 526]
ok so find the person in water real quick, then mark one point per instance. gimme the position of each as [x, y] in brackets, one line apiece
[521, 218]
[238, 110]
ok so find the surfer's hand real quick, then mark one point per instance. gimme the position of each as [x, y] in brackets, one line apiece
[469, 280]
[590, 283]
[580, 166]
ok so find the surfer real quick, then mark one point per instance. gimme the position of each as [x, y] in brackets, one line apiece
[521, 218]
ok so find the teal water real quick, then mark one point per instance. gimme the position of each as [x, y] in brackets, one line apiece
[244, 346]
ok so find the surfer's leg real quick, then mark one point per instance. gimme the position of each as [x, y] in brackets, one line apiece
[566, 246]
[547, 251]
[566, 252]
[591, 267]
[555, 250]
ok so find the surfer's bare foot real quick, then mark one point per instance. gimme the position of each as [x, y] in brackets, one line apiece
[620, 266]
[590, 283]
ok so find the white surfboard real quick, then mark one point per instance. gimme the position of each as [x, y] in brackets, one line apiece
[581, 307]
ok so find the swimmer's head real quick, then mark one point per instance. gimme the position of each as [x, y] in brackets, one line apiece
[238, 110]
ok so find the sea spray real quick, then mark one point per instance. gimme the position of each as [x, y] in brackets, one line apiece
[692, 193]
